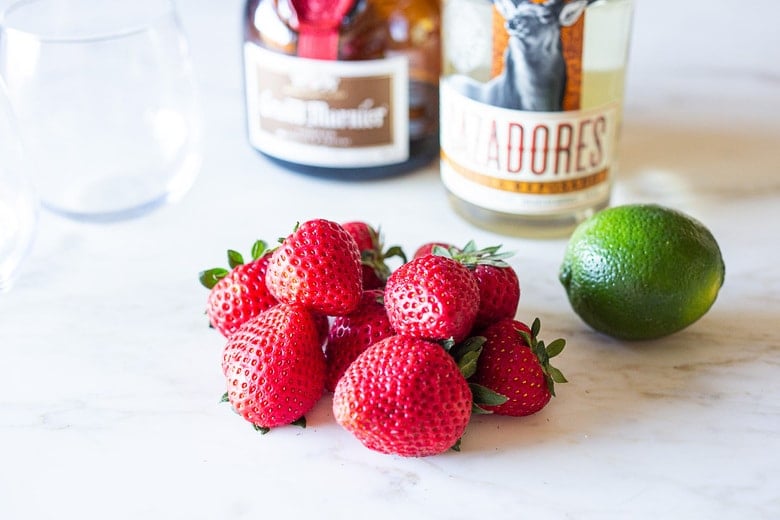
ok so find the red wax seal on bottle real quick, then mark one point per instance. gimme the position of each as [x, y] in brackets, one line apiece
[318, 24]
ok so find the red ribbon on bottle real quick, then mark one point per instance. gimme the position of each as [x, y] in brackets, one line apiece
[318, 26]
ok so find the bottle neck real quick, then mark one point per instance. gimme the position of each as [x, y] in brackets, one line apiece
[319, 22]
[318, 43]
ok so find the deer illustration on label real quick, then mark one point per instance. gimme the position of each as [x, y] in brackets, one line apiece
[534, 75]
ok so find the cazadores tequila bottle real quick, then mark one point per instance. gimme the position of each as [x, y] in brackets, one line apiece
[531, 97]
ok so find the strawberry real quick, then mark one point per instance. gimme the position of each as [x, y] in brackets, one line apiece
[274, 366]
[372, 253]
[499, 287]
[428, 247]
[404, 396]
[239, 293]
[432, 297]
[350, 335]
[515, 364]
[323, 326]
[317, 266]
[499, 293]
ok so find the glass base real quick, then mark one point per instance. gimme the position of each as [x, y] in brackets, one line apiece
[525, 226]
[120, 198]
[114, 215]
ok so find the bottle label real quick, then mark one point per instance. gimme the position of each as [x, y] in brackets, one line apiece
[525, 162]
[326, 113]
[517, 141]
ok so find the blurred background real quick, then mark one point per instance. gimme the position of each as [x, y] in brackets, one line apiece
[703, 91]
[690, 65]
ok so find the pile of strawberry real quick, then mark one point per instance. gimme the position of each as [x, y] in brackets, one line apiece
[409, 354]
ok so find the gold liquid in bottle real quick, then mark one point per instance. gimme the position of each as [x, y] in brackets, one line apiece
[346, 96]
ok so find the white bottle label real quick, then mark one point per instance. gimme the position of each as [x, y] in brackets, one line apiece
[347, 114]
[524, 162]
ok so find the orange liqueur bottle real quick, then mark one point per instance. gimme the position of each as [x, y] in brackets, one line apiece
[346, 89]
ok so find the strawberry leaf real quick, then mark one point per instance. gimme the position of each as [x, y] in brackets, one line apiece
[456, 446]
[210, 277]
[301, 421]
[234, 259]
[368, 257]
[441, 251]
[472, 344]
[471, 256]
[224, 398]
[466, 354]
[536, 327]
[478, 410]
[551, 374]
[470, 247]
[556, 375]
[262, 429]
[541, 352]
[376, 257]
[396, 251]
[447, 344]
[468, 363]
[555, 348]
[484, 395]
[259, 248]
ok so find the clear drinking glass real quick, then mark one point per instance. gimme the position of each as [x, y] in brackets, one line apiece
[106, 102]
[18, 205]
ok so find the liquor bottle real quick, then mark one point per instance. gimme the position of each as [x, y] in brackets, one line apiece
[346, 89]
[531, 99]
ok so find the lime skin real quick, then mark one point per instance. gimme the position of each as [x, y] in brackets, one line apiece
[641, 271]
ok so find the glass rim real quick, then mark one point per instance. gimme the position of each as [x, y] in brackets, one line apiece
[160, 10]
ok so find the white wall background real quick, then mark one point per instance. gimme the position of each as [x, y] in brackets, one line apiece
[691, 61]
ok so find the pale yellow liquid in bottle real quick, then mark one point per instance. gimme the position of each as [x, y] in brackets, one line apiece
[600, 86]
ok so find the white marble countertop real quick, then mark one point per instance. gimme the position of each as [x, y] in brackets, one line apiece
[110, 380]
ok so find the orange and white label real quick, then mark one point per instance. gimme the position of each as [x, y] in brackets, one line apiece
[519, 142]
[504, 159]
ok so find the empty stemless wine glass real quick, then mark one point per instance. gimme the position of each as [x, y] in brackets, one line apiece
[106, 103]
[18, 205]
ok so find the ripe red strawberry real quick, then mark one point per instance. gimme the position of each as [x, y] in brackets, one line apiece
[499, 288]
[516, 365]
[317, 266]
[320, 321]
[404, 396]
[323, 326]
[432, 297]
[373, 254]
[499, 293]
[240, 293]
[275, 367]
[350, 335]
[428, 247]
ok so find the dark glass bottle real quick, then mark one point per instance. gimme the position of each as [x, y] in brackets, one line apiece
[346, 89]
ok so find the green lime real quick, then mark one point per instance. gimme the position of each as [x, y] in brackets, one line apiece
[641, 271]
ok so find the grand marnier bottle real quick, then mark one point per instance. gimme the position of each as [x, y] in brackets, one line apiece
[531, 97]
[346, 89]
